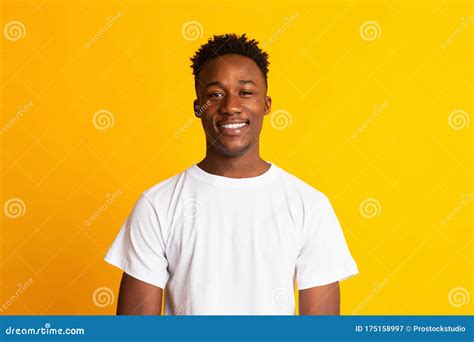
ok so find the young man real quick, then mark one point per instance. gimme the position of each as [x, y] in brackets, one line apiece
[231, 234]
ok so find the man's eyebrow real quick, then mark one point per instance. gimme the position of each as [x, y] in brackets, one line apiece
[218, 83]
[247, 81]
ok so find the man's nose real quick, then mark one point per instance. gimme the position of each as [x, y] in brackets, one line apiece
[231, 105]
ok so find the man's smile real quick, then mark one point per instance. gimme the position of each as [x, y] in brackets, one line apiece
[233, 128]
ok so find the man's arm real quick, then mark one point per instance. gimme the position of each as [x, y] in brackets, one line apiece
[320, 300]
[138, 298]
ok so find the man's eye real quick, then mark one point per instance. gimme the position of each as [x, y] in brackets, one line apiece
[245, 92]
[215, 94]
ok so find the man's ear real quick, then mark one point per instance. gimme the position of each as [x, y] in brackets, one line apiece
[197, 109]
[268, 105]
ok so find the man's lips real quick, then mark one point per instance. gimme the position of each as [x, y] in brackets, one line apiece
[220, 123]
[233, 128]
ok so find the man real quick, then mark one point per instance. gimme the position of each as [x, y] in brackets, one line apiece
[233, 233]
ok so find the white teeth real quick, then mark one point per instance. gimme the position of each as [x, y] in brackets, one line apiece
[240, 125]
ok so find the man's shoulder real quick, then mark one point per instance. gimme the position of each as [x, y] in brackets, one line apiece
[303, 188]
[165, 186]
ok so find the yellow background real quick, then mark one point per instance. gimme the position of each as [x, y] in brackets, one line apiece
[369, 120]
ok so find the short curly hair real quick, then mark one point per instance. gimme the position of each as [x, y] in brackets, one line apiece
[228, 44]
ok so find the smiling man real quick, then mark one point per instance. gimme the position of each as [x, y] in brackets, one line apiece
[232, 234]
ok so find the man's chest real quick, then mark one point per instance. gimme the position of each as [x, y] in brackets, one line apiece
[234, 232]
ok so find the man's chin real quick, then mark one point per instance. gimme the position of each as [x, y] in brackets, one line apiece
[233, 151]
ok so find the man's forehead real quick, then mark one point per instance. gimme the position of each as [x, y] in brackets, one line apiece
[239, 68]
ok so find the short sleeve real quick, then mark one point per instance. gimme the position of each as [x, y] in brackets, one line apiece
[324, 257]
[139, 248]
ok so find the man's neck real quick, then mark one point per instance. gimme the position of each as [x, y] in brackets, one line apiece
[245, 166]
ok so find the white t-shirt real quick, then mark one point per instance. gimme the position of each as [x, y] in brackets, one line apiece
[232, 246]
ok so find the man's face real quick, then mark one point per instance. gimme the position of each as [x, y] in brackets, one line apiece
[231, 91]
